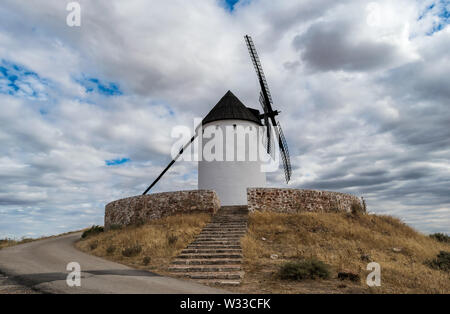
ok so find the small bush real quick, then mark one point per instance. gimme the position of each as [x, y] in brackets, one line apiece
[115, 227]
[305, 269]
[132, 250]
[146, 260]
[172, 239]
[442, 261]
[93, 245]
[441, 237]
[364, 205]
[91, 231]
[139, 222]
[356, 208]
[348, 275]
[110, 249]
[25, 240]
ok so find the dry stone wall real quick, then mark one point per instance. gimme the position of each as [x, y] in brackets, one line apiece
[296, 200]
[142, 208]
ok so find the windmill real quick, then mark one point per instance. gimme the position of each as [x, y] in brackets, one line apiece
[231, 179]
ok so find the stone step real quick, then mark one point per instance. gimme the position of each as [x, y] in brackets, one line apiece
[224, 229]
[209, 255]
[207, 239]
[221, 230]
[216, 225]
[211, 251]
[215, 256]
[235, 213]
[233, 232]
[206, 261]
[220, 233]
[233, 241]
[218, 237]
[223, 223]
[229, 219]
[233, 206]
[215, 275]
[225, 242]
[210, 246]
[218, 240]
[228, 224]
[221, 282]
[204, 268]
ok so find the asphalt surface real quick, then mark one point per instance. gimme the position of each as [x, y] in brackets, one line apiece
[41, 265]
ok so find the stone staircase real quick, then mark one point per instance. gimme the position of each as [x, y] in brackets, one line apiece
[215, 256]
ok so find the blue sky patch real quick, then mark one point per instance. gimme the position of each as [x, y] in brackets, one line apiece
[19, 81]
[229, 4]
[92, 84]
[440, 9]
[115, 162]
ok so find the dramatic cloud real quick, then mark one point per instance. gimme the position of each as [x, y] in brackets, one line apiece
[87, 112]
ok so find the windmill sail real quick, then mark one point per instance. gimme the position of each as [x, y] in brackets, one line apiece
[284, 154]
[259, 72]
[266, 102]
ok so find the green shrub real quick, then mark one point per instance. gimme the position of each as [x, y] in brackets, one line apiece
[441, 237]
[441, 262]
[91, 231]
[132, 250]
[304, 269]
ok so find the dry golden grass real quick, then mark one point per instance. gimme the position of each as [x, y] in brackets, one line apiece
[160, 240]
[11, 242]
[340, 240]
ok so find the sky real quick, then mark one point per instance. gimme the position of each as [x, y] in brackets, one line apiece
[86, 112]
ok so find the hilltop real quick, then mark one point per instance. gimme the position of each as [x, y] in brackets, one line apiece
[341, 242]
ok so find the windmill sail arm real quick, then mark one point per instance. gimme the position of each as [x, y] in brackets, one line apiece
[260, 73]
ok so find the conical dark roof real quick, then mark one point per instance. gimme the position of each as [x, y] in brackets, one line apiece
[230, 107]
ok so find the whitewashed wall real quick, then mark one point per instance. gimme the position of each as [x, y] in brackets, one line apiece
[230, 179]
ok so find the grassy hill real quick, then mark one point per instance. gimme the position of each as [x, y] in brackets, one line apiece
[150, 246]
[339, 243]
[346, 243]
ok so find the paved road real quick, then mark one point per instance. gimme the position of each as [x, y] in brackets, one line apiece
[42, 266]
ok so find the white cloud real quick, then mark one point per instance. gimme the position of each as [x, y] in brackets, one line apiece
[364, 107]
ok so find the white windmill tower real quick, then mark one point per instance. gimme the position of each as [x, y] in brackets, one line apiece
[238, 165]
[230, 177]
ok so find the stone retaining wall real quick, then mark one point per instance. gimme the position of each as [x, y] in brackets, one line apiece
[296, 200]
[142, 208]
